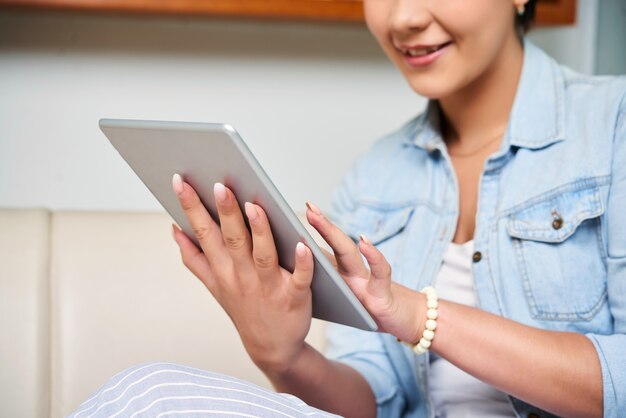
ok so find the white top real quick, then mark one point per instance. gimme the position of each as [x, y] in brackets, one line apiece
[454, 393]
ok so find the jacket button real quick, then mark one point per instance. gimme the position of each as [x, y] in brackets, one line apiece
[557, 221]
[533, 415]
[477, 257]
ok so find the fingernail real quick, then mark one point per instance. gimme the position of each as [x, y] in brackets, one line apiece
[220, 192]
[174, 231]
[365, 239]
[313, 208]
[251, 211]
[177, 183]
[300, 249]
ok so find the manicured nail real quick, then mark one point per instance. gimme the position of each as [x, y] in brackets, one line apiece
[177, 183]
[174, 231]
[300, 249]
[251, 211]
[220, 192]
[365, 239]
[313, 208]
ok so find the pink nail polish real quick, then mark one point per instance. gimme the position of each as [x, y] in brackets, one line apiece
[313, 208]
[365, 239]
[251, 211]
[177, 183]
[300, 249]
[220, 192]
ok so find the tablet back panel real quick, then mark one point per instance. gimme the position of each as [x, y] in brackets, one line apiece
[206, 153]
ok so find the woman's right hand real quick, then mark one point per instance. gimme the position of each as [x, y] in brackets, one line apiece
[269, 306]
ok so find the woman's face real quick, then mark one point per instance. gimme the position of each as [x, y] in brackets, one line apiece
[441, 46]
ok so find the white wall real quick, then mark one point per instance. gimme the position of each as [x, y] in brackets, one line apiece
[574, 46]
[611, 56]
[306, 97]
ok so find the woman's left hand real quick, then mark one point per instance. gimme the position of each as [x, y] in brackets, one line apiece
[397, 310]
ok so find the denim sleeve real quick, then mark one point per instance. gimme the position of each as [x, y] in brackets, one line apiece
[612, 348]
[364, 351]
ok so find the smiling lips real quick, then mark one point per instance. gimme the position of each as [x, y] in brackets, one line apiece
[421, 50]
[420, 55]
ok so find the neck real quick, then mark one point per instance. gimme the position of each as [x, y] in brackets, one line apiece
[480, 111]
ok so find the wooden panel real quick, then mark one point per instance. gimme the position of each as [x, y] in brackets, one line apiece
[341, 10]
[556, 12]
[549, 12]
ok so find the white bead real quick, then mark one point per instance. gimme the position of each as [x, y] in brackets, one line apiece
[432, 314]
[431, 325]
[428, 335]
[419, 349]
[430, 292]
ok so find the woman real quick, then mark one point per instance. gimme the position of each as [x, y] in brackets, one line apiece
[506, 195]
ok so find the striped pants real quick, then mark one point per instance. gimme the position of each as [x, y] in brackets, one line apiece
[165, 389]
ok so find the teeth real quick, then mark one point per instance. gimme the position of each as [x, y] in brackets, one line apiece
[421, 52]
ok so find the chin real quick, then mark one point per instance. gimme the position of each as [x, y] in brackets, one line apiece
[431, 90]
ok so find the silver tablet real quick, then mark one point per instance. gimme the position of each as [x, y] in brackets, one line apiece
[206, 153]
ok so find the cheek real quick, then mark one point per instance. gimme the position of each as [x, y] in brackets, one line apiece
[479, 29]
[376, 13]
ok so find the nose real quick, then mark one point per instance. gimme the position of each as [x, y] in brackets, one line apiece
[409, 16]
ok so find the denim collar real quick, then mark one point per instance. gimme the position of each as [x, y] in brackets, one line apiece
[537, 117]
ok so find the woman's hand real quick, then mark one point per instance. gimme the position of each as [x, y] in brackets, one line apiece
[270, 307]
[396, 309]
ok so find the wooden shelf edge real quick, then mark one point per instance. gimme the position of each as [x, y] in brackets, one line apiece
[555, 12]
[335, 10]
[549, 12]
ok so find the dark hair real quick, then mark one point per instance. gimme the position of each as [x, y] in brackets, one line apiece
[524, 22]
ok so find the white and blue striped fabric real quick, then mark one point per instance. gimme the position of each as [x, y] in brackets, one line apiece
[166, 389]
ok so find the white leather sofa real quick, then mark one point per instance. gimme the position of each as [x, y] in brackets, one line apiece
[84, 295]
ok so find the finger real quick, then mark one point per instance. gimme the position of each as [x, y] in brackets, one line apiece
[205, 229]
[234, 232]
[380, 269]
[330, 257]
[349, 260]
[193, 258]
[303, 272]
[263, 246]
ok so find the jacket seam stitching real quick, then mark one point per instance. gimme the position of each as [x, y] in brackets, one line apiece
[568, 187]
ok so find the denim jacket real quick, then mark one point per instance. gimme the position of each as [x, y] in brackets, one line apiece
[550, 227]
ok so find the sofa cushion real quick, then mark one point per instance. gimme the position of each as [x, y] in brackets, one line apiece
[24, 308]
[121, 296]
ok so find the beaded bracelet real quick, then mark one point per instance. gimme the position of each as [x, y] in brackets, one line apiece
[431, 321]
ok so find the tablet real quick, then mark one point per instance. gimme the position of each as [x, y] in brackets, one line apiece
[206, 153]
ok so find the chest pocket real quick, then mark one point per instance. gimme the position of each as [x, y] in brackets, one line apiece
[561, 256]
[379, 224]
